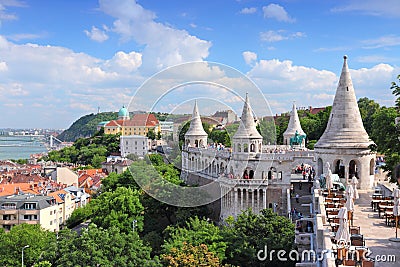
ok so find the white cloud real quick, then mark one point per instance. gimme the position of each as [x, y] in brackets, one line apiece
[125, 62]
[3, 66]
[57, 76]
[249, 57]
[383, 41]
[375, 59]
[24, 36]
[275, 11]
[4, 15]
[82, 106]
[280, 35]
[163, 45]
[283, 82]
[96, 34]
[248, 10]
[387, 8]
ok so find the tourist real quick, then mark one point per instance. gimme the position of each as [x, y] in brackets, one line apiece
[297, 198]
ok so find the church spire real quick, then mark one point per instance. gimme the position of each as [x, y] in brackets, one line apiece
[345, 127]
[247, 127]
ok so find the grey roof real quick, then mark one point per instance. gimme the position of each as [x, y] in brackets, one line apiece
[196, 128]
[294, 123]
[247, 127]
[41, 201]
[345, 128]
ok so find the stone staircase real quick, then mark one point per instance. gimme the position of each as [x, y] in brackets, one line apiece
[305, 197]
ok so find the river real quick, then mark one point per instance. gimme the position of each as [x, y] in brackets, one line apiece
[20, 147]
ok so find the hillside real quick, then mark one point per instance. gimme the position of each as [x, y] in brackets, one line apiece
[86, 126]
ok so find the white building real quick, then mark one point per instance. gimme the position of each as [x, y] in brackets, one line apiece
[134, 144]
[251, 175]
[167, 128]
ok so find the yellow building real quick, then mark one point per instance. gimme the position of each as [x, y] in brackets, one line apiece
[66, 205]
[30, 209]
[140, 124]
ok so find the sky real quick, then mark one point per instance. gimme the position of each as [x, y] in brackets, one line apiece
[60, 60]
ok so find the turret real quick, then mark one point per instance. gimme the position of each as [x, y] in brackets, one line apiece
[196, 136]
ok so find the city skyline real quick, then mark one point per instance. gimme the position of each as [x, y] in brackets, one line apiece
[61, 60]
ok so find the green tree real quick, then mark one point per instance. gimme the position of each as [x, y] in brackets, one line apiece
[119, 208]
[22, 235]
[250, 233]
[367, 110]
[396, 91]
[196, 232]
[190, 256]
[267, 129]
[42, 264]
[79, 215]
[97, 160]
[102, 247]
[151, 134]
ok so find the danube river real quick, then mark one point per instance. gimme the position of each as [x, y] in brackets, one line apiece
[20, 147]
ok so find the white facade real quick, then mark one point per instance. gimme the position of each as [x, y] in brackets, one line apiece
[345, 143]
[134, 144]
[255, 176]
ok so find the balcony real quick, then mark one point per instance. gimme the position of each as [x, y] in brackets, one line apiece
[8, 211]
[8, 222]
[28, 212]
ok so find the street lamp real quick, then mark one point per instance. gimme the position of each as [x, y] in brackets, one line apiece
[22, 256]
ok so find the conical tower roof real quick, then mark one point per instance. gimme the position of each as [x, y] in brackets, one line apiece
[247, 127]
[345, 128]
[196, 128]
[294, 123]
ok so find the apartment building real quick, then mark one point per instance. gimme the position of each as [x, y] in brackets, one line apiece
[29, 208]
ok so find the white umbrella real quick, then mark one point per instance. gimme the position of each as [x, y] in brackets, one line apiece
[350, 200]
[328, 178]
[396, 213]
[354, 182]
[349, 197]
[342, 234]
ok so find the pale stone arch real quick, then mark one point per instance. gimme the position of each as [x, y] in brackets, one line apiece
[354, 167]
[372, 167]
[251, 174]
[339, 167]
[252, 148]
[272, 173]
[239, 148]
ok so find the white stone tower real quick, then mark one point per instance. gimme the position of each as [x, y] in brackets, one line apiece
[293, 126]
[196, 136]
[247, 139]
[345, 143]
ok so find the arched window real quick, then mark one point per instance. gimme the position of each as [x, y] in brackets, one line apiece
[372, 167]
[245, 148]
[251, 174]
[252, 148]
[239, 148]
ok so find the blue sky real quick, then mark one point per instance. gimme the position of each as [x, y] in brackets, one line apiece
[60, 60]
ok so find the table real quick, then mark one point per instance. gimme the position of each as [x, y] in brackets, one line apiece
[383, 208]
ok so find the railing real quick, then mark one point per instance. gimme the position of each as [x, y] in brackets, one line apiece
[243, 182]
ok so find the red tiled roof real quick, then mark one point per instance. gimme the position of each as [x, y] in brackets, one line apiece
[148, 120]
[115, 123]
[11, 189]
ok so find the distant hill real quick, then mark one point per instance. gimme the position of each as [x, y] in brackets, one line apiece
[86, 126]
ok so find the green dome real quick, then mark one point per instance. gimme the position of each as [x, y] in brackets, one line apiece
[123, 112]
